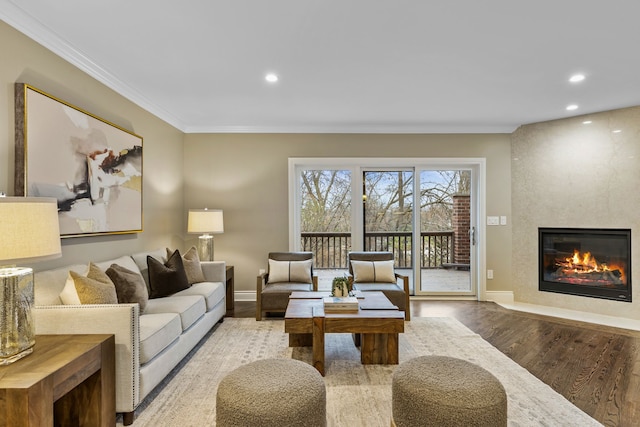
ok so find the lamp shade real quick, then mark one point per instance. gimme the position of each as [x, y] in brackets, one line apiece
[29, 229]
[205, 221]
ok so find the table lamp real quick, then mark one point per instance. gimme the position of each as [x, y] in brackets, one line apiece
[205, 221]
[29, 231]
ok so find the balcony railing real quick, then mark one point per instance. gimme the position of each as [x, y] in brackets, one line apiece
[331, 249]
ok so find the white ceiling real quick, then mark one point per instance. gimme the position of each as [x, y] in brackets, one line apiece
[348, 65]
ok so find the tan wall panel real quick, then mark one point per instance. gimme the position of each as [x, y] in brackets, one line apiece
[570, 174]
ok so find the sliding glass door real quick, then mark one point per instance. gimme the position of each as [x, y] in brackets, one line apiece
[388, 215]
[423, 210]
[446, 232]
[325, 217]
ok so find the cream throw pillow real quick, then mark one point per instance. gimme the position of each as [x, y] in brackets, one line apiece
[290, 271]
[373, 271]
[69, 295]
[191, 264]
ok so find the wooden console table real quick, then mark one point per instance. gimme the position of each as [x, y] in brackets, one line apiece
[68, 380]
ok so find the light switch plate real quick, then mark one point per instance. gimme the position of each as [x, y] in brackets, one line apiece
[503, 220]
[493, 220]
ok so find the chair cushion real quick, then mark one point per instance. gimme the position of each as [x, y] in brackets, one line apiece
[290, 271]
[189, 307]
[275, 296]
[373, 271]
[213, 292]
[157, 331]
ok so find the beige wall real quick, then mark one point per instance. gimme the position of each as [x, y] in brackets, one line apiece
[569, 174]
[246, 175]
[26, 61]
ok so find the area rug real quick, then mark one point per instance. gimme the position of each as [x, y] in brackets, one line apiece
[357, 395]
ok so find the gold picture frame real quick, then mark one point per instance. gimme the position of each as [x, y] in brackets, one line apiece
[91, 166]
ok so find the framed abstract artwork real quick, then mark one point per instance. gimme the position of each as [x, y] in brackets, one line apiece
[91, 166]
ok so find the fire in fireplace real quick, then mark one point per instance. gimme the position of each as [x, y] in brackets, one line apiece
[586, 262]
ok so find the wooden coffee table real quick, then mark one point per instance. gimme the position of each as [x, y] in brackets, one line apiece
[375, 326]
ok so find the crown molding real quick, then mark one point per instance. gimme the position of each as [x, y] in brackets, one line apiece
[361, 129]
[17, 18]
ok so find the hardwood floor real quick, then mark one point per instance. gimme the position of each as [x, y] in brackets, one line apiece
[595, 367]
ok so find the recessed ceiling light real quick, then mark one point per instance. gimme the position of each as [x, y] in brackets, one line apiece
[572, 107]
[587, 122]
[617, 131]
[271, 78]
[576, 78]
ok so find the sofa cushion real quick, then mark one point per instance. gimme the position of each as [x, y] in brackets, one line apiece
[191, 263]
[213, 292]
[189, 307]
[290, 271]
[373, 271]
[49, 284]
[94, 288]
[130, 286]
[140, 259]
[157, 332]
[168, 278]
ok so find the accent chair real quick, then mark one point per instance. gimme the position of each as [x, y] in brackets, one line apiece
[287, 272]
[374, 271]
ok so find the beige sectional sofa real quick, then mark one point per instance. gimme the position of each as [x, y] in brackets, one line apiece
[148, 345]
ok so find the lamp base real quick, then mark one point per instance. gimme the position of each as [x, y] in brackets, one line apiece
[9, 360]
[205, 247]
[17, 329]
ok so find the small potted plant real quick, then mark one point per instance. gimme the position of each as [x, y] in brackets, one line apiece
[340, 287]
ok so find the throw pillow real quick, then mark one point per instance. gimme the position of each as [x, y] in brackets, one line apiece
[95, 287]
[168, 278]
[69, 294]
[290, 271]
[373, 271]
[192, 267]
[130, 286]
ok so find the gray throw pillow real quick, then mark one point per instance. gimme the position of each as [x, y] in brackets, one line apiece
[130, 286]
[191, 263]
[168, 278]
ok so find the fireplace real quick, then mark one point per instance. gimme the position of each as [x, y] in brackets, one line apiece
[586, 262]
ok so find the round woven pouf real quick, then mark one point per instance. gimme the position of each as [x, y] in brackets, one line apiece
[272, 392]
[445, 391]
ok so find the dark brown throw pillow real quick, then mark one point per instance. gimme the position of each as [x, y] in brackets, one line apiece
[168, 278]
[130, 286]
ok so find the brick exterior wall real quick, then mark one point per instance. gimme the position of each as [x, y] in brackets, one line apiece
[461, 225]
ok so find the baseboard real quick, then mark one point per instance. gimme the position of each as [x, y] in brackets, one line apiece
[500, 297]
[580, 316]
[244, 295]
